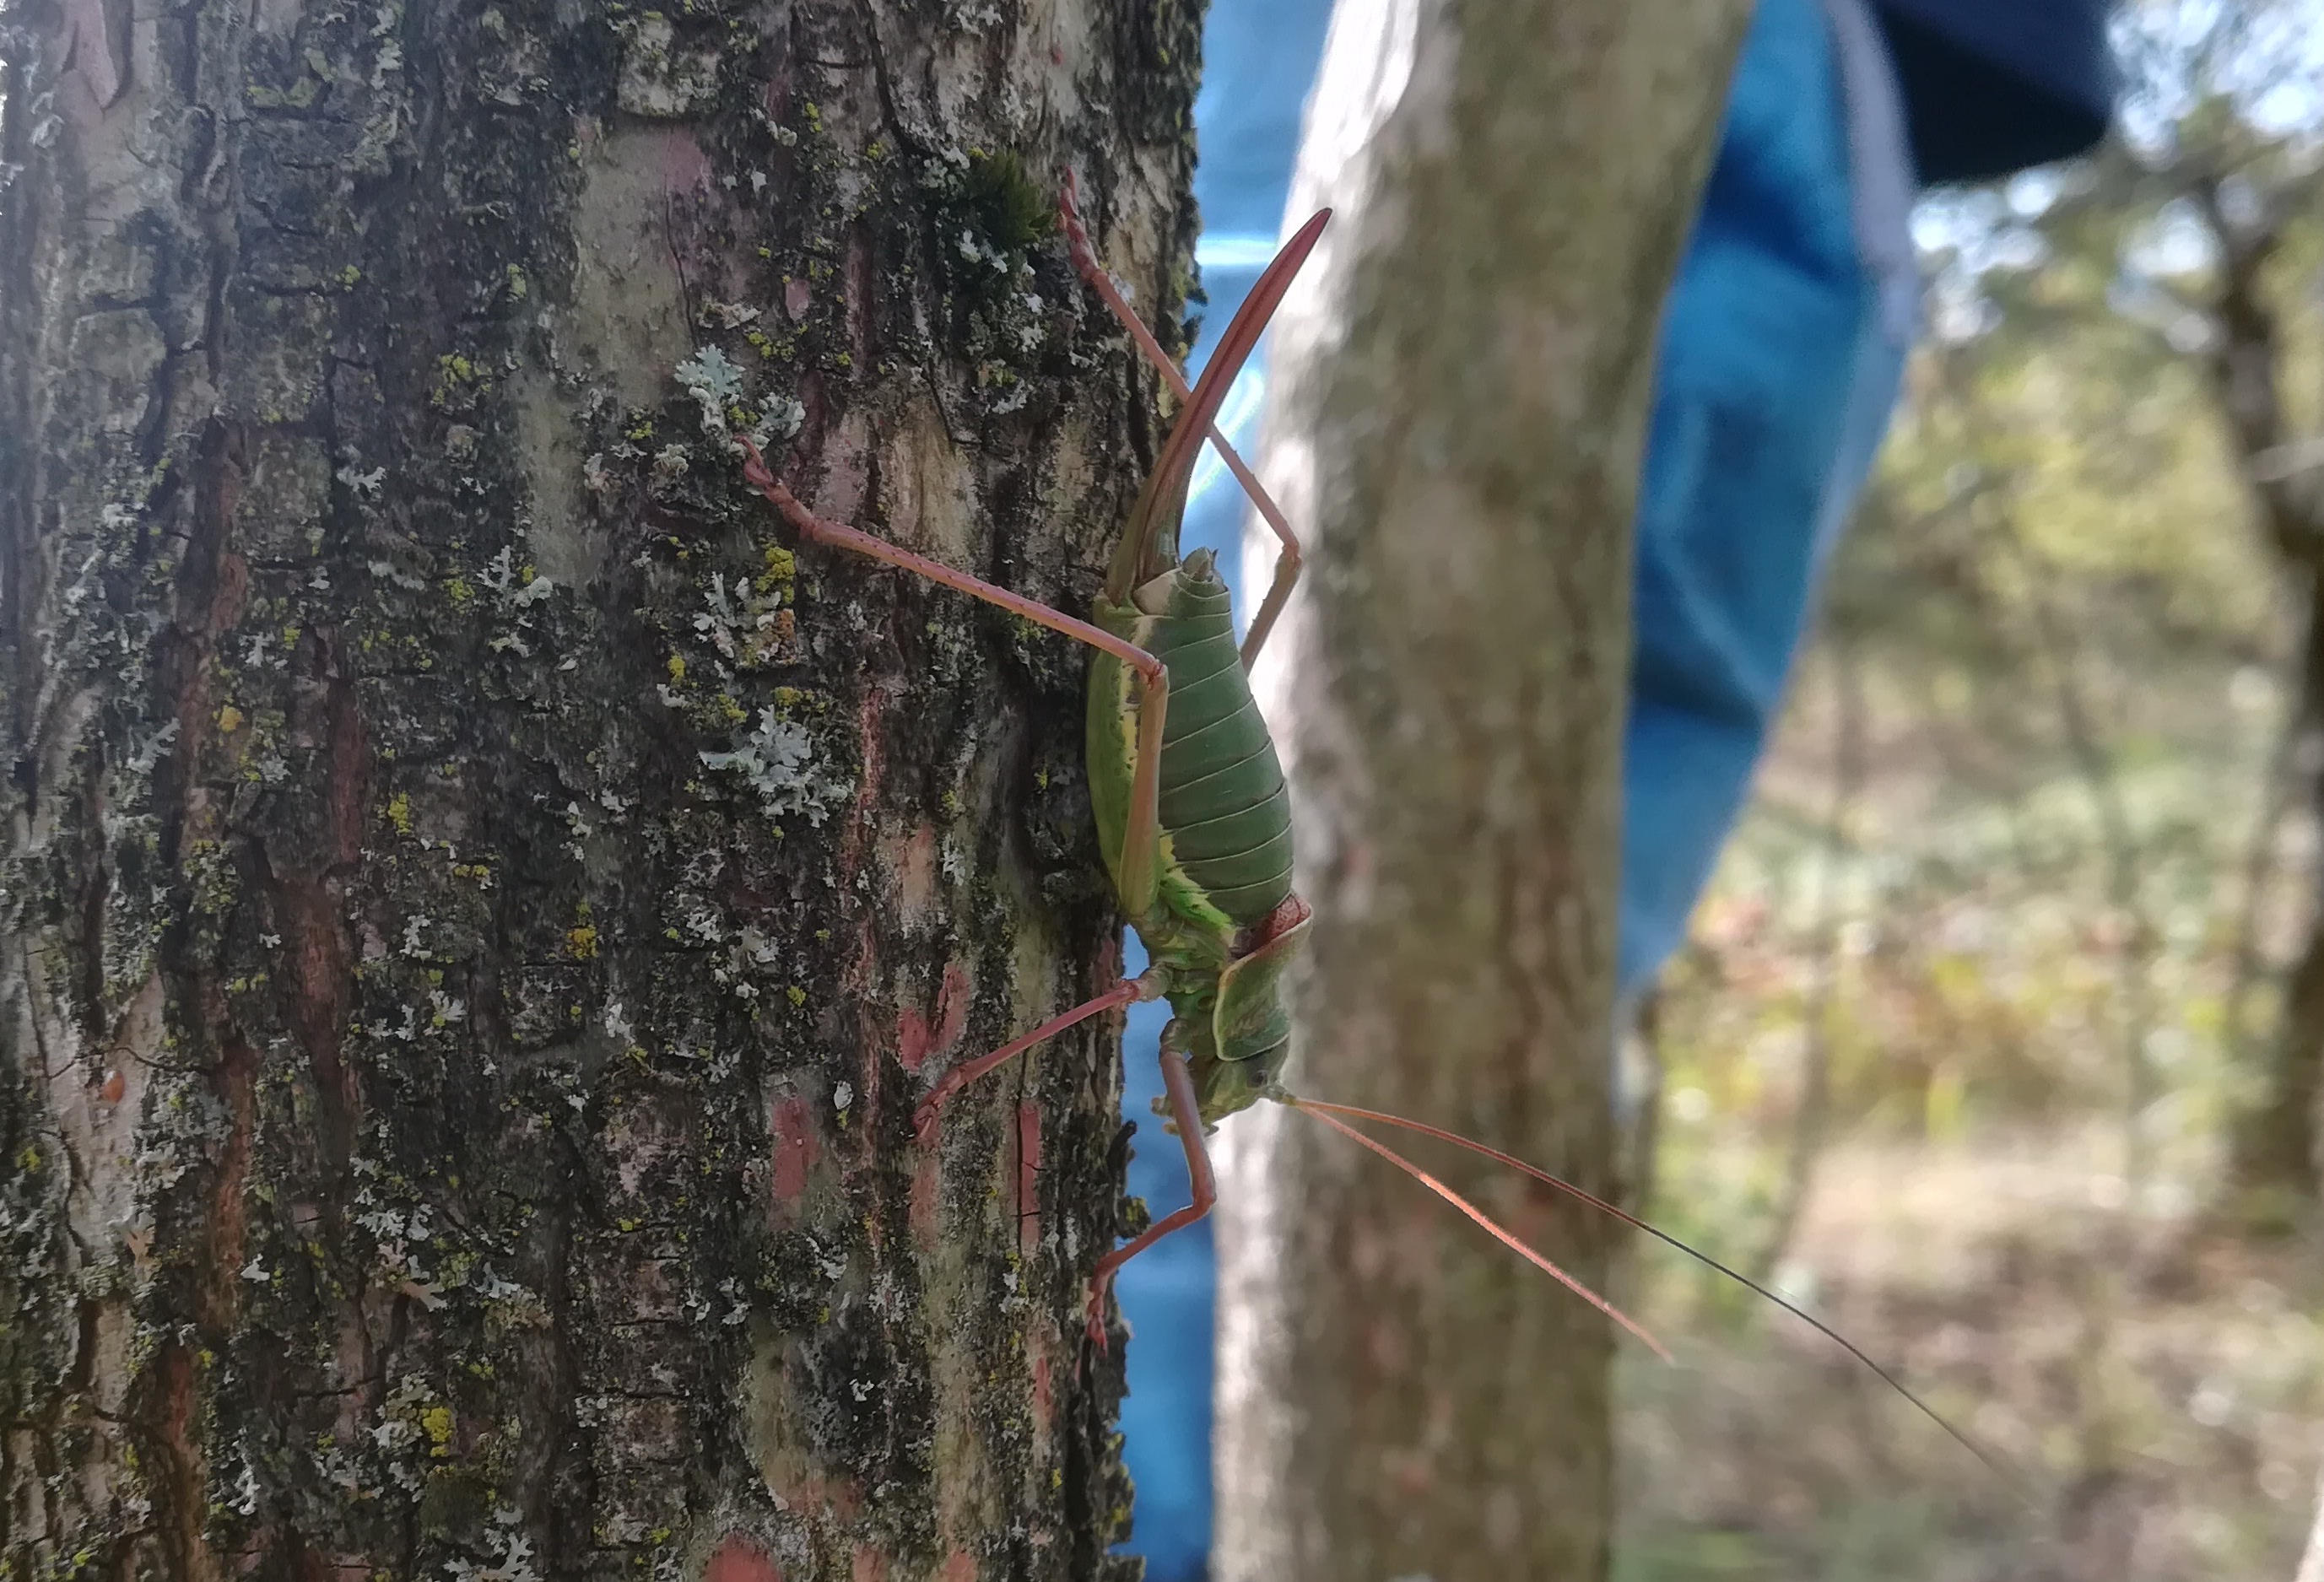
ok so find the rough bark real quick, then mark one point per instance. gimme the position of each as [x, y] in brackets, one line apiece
[1461, 387]
[479, 909]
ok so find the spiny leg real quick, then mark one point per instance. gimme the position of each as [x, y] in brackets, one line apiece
[1180, 1080]
[1146, 986]
[1141, 845]
[1100, 280]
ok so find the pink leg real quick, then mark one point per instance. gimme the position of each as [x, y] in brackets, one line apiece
[1148, 986]
[1140, 846]
[1100, 280]
[1180, 1080]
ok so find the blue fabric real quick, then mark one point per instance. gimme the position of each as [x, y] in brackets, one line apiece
[1775, 386]
[2057, 46]
[1993, 86]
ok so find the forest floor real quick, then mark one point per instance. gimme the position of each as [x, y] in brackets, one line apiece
[2150, 1383]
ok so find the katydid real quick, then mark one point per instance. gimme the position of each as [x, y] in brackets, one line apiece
[1192, 812]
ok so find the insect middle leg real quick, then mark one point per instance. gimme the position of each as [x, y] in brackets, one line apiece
[1178, 1079]
[1100, 280]
[1146, 986]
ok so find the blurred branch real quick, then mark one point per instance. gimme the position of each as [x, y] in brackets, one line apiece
[2245, 362]
[1811, 1120]
[2250, 962]
[1645, 1136]
[2274, 1138]
[2124, 887]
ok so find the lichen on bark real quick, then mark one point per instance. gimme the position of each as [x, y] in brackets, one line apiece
[481, 902]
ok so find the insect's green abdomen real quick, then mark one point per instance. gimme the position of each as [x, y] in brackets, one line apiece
[1224, 806]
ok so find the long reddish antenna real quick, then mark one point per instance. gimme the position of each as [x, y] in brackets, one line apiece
[1325, 1112]
[1507, 1238]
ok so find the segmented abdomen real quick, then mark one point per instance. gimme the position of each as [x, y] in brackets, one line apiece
[1224, 805]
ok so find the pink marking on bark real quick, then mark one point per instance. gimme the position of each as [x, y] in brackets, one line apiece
[960, 1565]
[796, 1148]
[738, 1560]
[953, 999]
[925, 1200]
[1044, 1387]
[92, 81]
[847, 477]
[913, 859]
[867, 1565]
[1028, 1175]
[912, 1039]
[682, 162]
[916, 1040]
[796, 295]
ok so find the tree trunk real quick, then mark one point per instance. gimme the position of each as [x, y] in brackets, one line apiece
[480, 910]
[2273, 1145]
[1463, 384]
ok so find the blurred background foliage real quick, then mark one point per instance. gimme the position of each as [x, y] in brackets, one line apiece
[1999, 1036]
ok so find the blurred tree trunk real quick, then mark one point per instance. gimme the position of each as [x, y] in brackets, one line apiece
[1463, 383]
[2273, 1145]
[1844, 662]
[2273, 1139]
[478, 911]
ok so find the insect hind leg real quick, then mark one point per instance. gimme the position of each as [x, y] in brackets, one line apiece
[1178, 1081]
[1290, 556]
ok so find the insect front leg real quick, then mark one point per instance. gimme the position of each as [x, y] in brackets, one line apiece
[1178, 1081]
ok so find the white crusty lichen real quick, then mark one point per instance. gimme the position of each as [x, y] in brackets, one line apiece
[778, 760]
[716, 383]
[520, 590]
